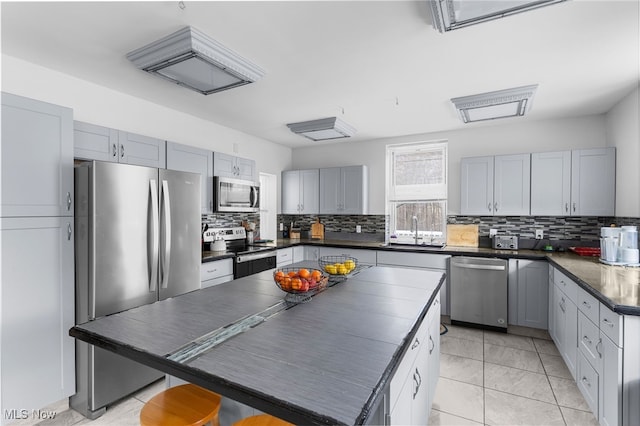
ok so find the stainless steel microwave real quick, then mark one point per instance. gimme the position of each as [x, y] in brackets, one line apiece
[236, 195]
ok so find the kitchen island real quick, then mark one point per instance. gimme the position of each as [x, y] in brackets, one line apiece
[332, 360]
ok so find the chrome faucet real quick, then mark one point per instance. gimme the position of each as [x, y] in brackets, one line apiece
[414, 222]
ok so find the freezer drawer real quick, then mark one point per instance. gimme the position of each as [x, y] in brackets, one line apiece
[479, 292]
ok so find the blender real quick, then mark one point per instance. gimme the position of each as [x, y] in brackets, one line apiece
[609, 243]
[628, 247]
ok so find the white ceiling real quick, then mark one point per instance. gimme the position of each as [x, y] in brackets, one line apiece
[379, 65]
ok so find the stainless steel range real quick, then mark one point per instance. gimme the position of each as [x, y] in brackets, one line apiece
[249, 258]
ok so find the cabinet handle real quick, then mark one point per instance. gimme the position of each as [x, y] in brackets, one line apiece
[68, 232]
[434, 345]
[600, 345]
[489, 206]
[211, 270]
[416, 343]
[586, 339]
[609, 323]
[115, 150]
[566, 207]
[587, 304]
[562, 304]
[68, 201]
[584, 380]
[574, 207]
[121, 150]
[418, 381]
[495, 206]
[301, 207]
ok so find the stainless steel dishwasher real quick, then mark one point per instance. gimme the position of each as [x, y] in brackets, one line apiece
[479, 292]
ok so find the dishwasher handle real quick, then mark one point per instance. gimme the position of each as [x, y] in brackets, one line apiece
[481, 267]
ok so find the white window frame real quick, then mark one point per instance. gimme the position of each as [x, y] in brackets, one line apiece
[418, 192]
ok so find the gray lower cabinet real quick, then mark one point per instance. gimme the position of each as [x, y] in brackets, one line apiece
[529, 293]
[565, 319]
[37, 158]
[284, 257]
[38, 359]
[93, 142]
[427, 261]
[216, 272]
[186, 158]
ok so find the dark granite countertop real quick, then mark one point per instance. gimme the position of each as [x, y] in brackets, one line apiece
[617, 287]
[210, 256]
[326, 362]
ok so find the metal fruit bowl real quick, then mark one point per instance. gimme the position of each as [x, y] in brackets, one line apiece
[300, 280]
[341, 265]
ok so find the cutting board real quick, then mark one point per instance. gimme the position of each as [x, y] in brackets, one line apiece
[462, 235]
[317, 230]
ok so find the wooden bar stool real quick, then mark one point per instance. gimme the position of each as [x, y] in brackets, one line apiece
[184, 405]
[262, 420]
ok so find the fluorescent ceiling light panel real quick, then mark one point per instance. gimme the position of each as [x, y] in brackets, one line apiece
[453, 14]
[323, 129]
[499, 104]
[194, 60]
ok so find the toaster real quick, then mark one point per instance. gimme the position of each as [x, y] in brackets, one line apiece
[505, 242]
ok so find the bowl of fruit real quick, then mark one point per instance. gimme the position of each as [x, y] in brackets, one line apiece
[338, 265]
[300, 280]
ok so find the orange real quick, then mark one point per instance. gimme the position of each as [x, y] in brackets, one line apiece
[286, 283]
[296, 283]
[304, 273]
[291, 274]
[279, 276]
[316, 275]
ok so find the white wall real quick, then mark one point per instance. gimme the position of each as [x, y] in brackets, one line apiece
[100, 105]
[539, 136]
[623, 132]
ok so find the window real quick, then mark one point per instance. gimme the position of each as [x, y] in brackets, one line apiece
[417, 186]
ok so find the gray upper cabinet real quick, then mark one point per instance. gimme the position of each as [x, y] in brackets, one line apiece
[37, 158]
[92, 142]
[234, 167]
[551, 183]
[593, 182]
[573, 183]
[195, 160]
[497, 185]
[141, 150]
[344, 190]
[300, 191]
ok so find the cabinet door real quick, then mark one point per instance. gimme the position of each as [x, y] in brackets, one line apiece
[38, 355]
[570, 347]
[550, 183]
[290, 196]
[91, 142]
[224, 165]
[195, 160]
[309, 191]
[330, 191]
[512, 184]
[37, 158]
[476, 186]
[354, 190]
[141, 150]
[610, 392]
[533, 293]
[593, 179]
[246, 169]
[552, 315]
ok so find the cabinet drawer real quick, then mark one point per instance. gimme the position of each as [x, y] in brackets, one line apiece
[588, 339]
[568, 287]
[284, 256]
[216, 281]
[404, 369]
[611, 324]
[216, 269]
[588, 383]
[416, 260]
[589, 305]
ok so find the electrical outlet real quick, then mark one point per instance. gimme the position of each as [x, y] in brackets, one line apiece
[493, 233]
[358, 229]
[281, 226]
[539, 234]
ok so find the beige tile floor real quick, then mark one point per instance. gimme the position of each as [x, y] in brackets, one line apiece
[489, 378]
[486, 378]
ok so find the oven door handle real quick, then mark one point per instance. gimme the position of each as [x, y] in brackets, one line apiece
[241, 258]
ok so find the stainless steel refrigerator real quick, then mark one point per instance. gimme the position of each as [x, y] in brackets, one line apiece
[137, 241]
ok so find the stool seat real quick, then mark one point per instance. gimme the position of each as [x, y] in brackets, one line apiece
[184, 405]
[262, 420]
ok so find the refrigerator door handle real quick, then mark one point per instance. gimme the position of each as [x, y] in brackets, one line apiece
[154, 224]
[166, 207]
